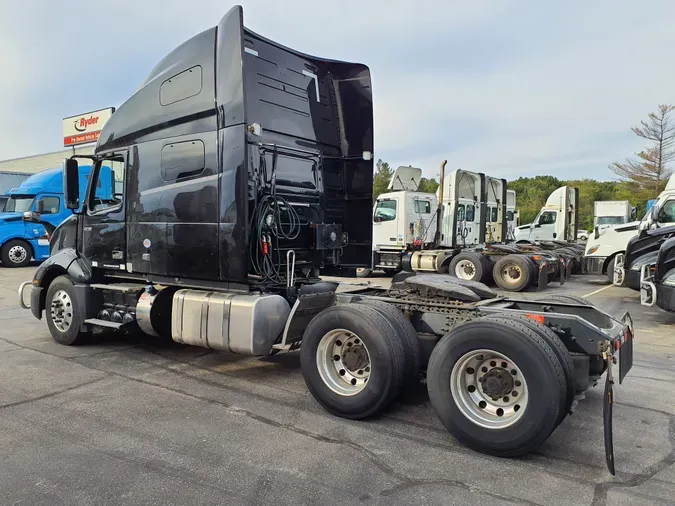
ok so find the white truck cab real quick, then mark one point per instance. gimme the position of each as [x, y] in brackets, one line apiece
[605, 247]
[402, 217]
[462, 210]
[557, 220]
[494, 209]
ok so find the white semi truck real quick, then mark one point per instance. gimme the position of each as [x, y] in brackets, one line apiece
[465, 236]
[558, 220]
[605, 248]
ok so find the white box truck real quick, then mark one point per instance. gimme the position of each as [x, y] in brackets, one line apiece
[609, 213]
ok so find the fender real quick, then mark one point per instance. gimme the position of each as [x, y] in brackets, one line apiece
[665, 261]
[65, 261]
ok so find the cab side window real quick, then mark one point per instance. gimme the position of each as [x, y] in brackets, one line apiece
[423, 206]
[51, 205]
[547, 218]
[109, 185]
[385, 211]
[667, 212]
[461, 212]
[470, 212]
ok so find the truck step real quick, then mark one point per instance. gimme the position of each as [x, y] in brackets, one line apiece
[103, 323]
[119, 287]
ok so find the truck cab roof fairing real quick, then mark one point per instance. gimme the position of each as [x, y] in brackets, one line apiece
[222, 81]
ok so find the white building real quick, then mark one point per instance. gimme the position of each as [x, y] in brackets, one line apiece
[36, 163]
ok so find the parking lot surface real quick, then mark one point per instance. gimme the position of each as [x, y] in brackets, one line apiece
[131, 420]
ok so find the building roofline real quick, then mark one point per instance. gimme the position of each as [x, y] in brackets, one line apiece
[64, 150]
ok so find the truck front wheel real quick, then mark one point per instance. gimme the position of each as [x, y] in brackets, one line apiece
[16, 253]
[497, 387]
[63, 319]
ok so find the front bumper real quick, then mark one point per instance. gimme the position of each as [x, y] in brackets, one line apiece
[35, 296]
[633, 279]
[660, 295]
[665, 297]
[593, 265]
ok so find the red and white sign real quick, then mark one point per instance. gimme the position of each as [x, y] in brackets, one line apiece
[85, 128]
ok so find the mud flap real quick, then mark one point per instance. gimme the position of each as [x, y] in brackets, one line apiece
[607, 410]
[542, 281]
[569, 266]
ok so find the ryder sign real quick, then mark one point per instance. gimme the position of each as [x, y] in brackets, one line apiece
[85, 128]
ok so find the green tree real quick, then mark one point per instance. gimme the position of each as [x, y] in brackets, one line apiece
[651, 171]
[428, 185]
[381, 178]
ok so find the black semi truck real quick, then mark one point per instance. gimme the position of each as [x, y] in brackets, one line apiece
[245, 171]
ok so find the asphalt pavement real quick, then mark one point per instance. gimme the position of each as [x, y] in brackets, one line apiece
[138, 421]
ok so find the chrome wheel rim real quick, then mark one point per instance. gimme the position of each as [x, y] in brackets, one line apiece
[343, 362]
[511, 274]
[465, 269]
[17, 254]
[61, 310]
[489, 389]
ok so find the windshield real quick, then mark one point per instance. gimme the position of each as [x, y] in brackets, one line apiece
[19, 204]
[610, 220]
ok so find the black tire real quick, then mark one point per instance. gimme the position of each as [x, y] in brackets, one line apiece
[386, 350]
[542, 372]
[523, 266]
[566, 299]
[610, 270]
[16, 253]
[488, 264]
[406, 332]
[475, 260]
[72, 335]
[558, 347]
[363, 273]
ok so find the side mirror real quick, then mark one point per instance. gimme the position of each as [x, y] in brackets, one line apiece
[71, 183]
[596, 232]
[30, 216]
[41, 206]
[633, 212]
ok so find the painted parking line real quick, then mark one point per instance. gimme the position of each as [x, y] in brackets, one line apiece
[598, 290]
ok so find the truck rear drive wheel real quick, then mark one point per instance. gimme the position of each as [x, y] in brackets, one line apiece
[63, 319]
[468, 265]
[497, 386]
[16, 253]
[405, 331]
[353, 361]
[558, 347]
[513, 273]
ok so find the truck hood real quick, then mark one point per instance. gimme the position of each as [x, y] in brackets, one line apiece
[5, 217]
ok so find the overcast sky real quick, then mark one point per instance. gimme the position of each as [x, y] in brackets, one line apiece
[501, 86]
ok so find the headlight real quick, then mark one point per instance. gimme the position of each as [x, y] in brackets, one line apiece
[592, 250]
